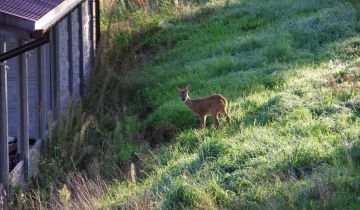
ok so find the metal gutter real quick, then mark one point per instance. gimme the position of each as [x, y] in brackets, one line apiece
[22, 49]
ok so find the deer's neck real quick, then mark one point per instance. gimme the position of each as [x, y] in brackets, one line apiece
[190, 103]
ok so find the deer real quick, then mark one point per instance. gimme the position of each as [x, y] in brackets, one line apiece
[213, 105]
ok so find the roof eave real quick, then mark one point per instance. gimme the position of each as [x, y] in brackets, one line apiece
[54, 16]
[26, 29]
[17, 22]
[15, 32]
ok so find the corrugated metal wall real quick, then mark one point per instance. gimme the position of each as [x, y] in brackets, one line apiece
[12, 90]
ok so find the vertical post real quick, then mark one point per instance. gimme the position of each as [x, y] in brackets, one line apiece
[97, 22]
[42, 84]
[4, 150]
[52, 69]
[70, 54]
[91, 30]
[81, 50]
[22, 82]
[18, 134]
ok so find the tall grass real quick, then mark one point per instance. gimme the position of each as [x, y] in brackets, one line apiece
[80, 192]
[290, 72]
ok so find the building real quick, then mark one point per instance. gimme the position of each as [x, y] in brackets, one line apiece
[47, 50]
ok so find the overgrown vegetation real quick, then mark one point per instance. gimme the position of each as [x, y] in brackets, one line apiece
[290, 70]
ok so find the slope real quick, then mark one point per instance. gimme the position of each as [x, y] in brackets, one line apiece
[290, 70]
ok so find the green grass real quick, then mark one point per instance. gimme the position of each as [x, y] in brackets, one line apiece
[294, 142]
[282, 65]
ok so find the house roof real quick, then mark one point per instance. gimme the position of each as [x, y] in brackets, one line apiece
[33, 17]
[30, 9]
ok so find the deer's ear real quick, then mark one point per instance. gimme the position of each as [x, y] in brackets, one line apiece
[178, 90]
[187, 87]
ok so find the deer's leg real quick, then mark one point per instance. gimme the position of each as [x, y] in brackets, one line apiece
[216, 120]
[228, 119]
[203, 120]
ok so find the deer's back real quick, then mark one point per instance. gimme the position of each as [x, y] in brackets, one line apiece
[211, 104]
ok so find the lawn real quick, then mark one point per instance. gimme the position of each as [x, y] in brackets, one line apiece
[290, 71]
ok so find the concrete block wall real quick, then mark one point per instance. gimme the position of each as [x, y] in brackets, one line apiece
[63, 65]
[87, 42]
[76, 54]
[64, 89]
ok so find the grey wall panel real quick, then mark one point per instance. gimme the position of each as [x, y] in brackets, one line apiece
[33, 93]
[64, 66]
[32, 82]
[87, 42]
[12, 100]
[47, 68]
[76, 53]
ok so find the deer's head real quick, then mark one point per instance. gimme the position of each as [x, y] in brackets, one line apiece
[184, 94]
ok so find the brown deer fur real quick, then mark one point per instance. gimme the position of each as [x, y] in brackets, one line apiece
[213, 105]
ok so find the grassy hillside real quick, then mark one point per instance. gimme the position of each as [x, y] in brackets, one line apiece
[290, 71]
